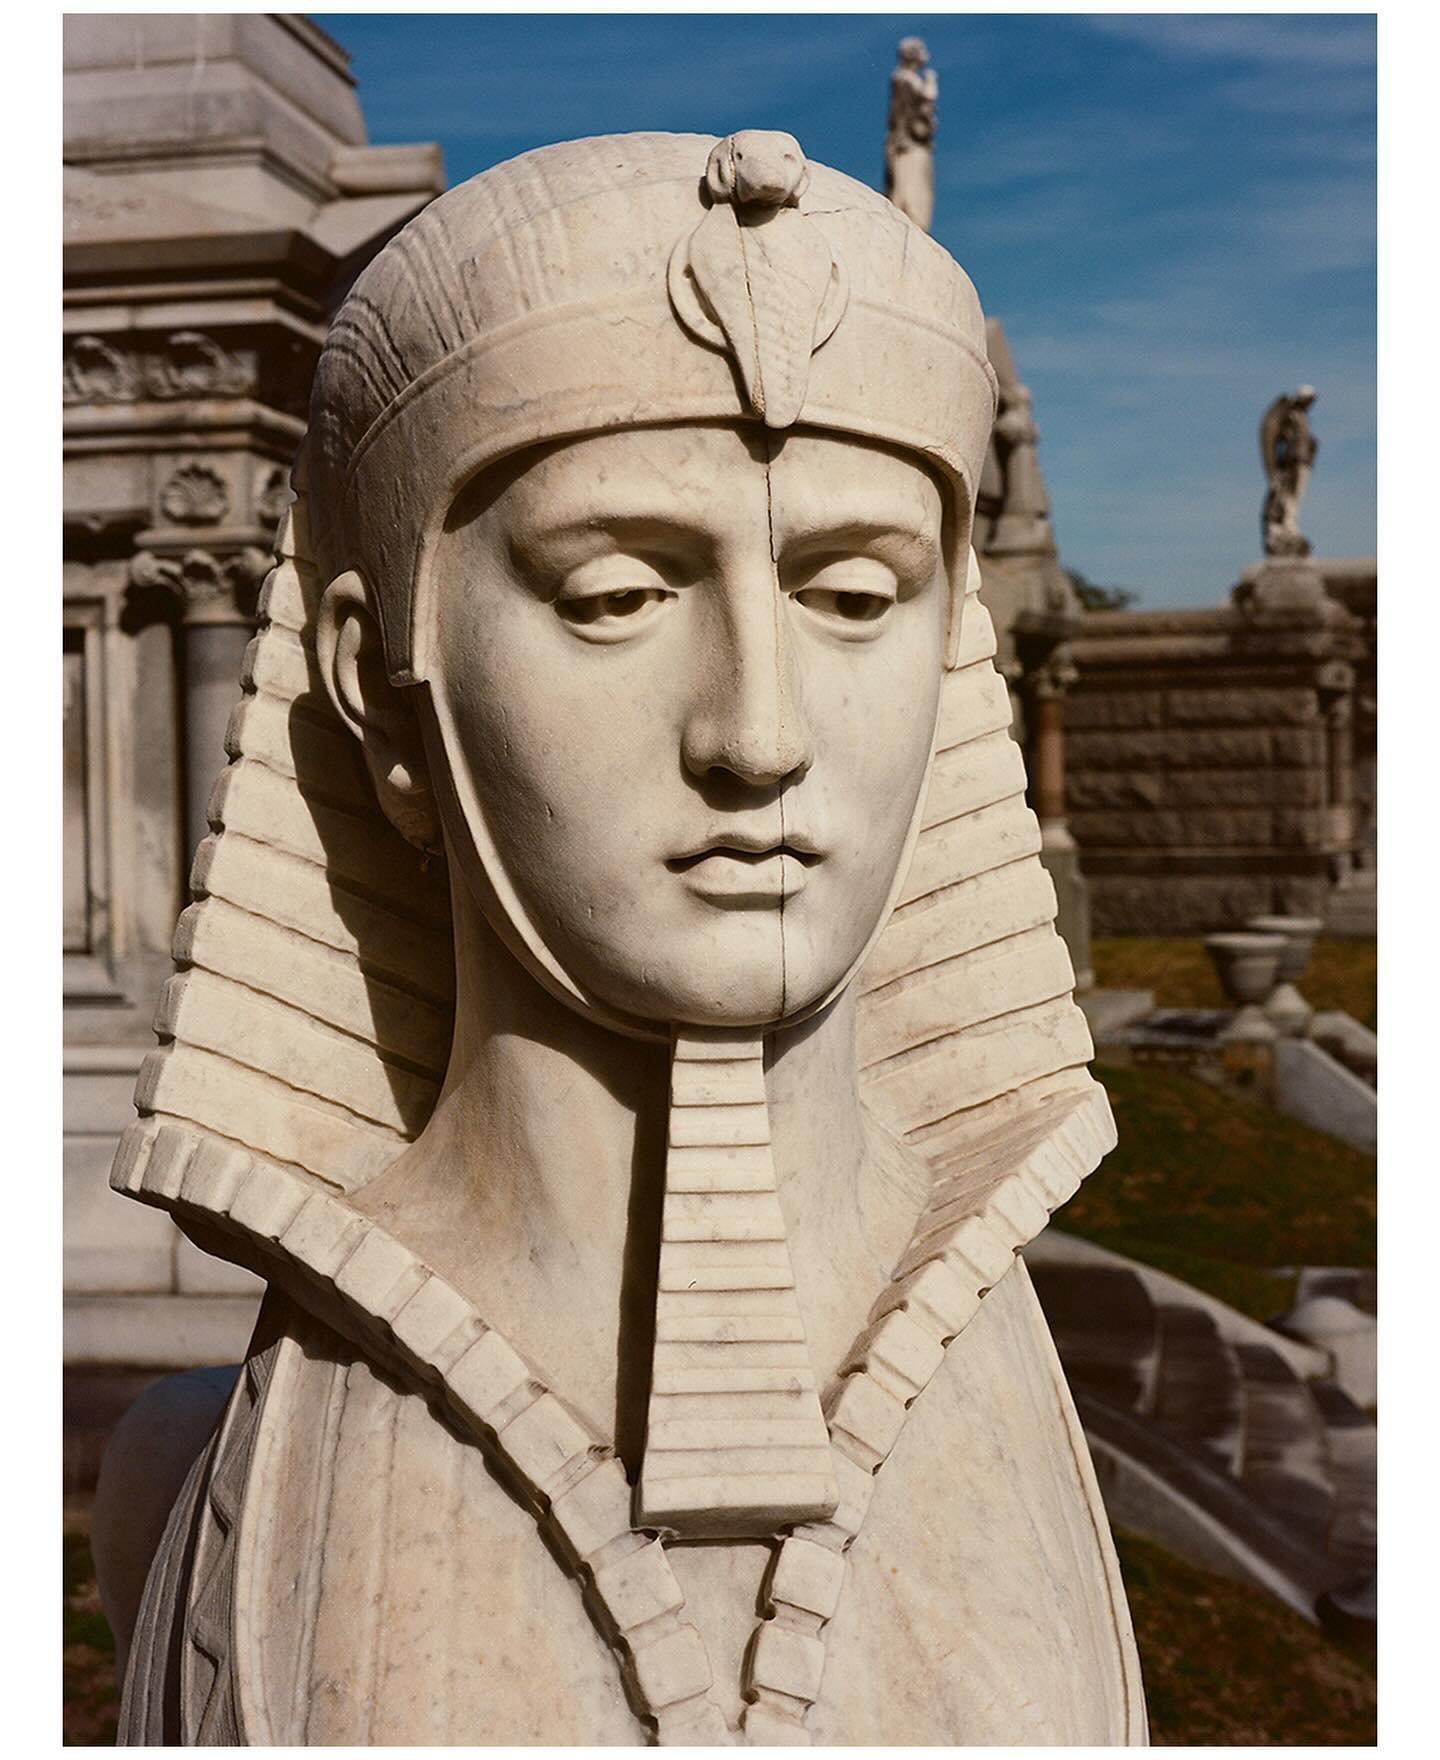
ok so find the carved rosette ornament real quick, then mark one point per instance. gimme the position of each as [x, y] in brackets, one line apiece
[652, 1170]
[197, 495]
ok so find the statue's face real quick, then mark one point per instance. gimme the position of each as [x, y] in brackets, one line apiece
[693, 695]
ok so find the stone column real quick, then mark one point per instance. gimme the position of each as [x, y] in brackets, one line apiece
[214, 595]
[1046, 672]
[1047, 743]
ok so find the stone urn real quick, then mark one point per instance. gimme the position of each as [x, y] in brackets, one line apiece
[1247, 965]
[1285, 1007]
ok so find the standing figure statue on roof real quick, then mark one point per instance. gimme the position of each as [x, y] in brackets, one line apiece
[622, 1018]
[1287, 451]
[910, 133]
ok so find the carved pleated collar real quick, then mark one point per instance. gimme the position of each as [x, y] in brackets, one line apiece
[373, 1288]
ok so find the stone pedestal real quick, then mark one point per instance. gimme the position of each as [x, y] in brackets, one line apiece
[1209, 763]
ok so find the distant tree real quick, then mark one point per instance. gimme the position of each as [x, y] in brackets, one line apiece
[1095, 598]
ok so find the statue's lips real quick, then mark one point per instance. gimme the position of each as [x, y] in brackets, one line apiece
[737, 878]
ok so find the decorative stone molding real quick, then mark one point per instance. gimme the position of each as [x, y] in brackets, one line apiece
[194, 365]
[196, 495]
[188, 364]
[94, 372]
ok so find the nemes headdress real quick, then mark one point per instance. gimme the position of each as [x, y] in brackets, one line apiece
[595, 285]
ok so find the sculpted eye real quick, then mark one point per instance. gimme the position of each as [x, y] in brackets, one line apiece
[848, 595]
[628, 605]
[845, 605]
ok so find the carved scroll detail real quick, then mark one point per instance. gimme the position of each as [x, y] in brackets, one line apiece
[188, 364]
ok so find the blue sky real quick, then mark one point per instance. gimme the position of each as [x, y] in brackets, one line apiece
[1174, 215]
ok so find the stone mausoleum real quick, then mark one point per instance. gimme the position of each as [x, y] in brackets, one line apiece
[220, 197]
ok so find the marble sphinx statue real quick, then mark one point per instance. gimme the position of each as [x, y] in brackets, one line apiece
[1287, 452]
[621, 1018]
[910, 133]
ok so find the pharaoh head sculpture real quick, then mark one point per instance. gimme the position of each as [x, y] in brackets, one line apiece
[651, 464]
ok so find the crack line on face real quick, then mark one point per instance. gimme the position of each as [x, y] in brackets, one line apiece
[771, 446]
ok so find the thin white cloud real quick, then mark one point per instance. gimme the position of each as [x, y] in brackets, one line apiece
[1291, 41]
[1319, 97]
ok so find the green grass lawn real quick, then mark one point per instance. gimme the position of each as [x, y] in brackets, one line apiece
[1209, 1185]
[1220, 1191]
[1230, 1666]
[91, 1697]
[1177, 968]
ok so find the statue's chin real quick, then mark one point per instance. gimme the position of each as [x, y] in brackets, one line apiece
[712, 993]
[728, 1004]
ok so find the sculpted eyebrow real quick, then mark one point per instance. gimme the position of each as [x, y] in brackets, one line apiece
[550, 544]
[918, 545]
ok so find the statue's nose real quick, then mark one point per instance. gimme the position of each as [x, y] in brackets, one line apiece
[748, 717]
[765, 179]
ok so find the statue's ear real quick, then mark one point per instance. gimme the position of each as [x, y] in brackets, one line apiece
[351, 654]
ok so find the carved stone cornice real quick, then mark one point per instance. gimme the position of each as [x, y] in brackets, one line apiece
[1053, 676]
[1045, 658]
[205, 586]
